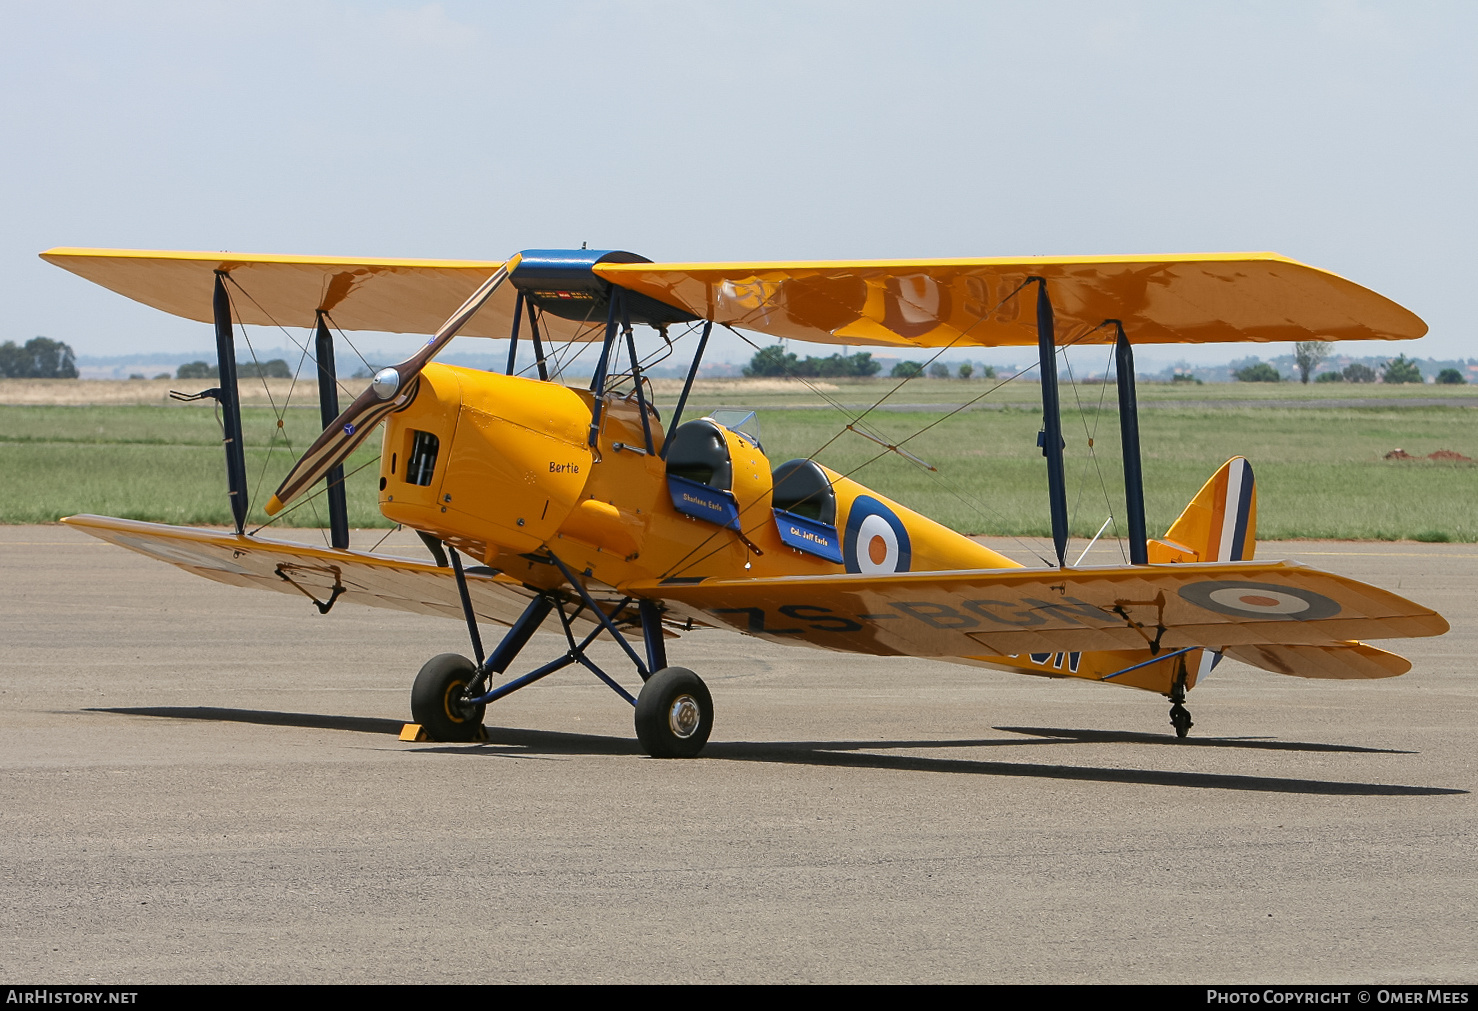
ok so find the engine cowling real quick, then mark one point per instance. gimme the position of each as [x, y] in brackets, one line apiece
[485, 457]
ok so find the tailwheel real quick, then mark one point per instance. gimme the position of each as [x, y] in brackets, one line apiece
[1180, 716]
[1180, 719]
[674, 714]
[436, 699]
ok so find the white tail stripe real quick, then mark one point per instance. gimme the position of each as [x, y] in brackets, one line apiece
[1206, 662]
[1231, 506]
[1234, 506]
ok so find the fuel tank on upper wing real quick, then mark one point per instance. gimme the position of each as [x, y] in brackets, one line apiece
[484, 457]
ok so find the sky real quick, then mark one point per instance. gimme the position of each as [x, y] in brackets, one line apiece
[1341, 134]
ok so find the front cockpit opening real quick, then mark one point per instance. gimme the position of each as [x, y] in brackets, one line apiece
[700, 473]
[700, 454]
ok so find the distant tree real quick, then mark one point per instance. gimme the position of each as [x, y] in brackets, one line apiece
[40, 358]
[987, 372]
[162, 375]
[1261, 372]
[1357, 373]
[966, 370]
[1402, 370]
[135, 375]
[776, 361]
[771, 361]
[274, 369]
[1329, 377]
[54, 359]
[836, 366]
[907, 370]
[1186, 377]
[811, 366]
[197, 370]
[1307, 355]
[12, 361]
[1451, 377]
[939, 370]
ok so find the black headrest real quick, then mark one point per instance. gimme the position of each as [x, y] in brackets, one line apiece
[802, 487]
[700, 453]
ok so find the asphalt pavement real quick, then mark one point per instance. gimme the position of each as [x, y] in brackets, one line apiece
[200, 783]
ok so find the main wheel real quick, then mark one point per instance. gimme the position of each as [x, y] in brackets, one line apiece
[436, 699]
[674, 714]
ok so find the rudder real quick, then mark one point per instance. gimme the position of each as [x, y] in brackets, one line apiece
[1219, 525]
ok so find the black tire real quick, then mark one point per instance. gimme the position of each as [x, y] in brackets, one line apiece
[674, 714]
[1180, 719]
[436, 699]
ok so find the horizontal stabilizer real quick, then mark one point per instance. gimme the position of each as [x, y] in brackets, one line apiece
[1345, 662]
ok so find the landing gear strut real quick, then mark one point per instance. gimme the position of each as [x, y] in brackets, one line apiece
[674, 713]
[1180, 716]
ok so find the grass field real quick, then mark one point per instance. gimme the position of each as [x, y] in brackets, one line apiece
[158, 463]
[1318, 454]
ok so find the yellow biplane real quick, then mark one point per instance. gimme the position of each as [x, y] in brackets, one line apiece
[581, 503]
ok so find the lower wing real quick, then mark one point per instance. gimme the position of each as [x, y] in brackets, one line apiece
[324, 575]
[1014, 611]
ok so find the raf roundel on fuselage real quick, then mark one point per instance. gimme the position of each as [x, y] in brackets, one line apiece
[876, 541]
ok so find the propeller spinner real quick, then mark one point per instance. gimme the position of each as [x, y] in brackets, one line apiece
[392, 389]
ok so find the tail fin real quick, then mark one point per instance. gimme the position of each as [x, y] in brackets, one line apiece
[1220, 524]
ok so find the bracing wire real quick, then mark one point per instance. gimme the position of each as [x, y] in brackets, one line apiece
[367, 366]
[313, 497]
[685, 562]
[299, 344]
[382, 540]
[981, 318]
[279, 415]
[1090, 434]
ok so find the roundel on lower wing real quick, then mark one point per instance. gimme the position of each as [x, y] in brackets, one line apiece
[876, 541]
[1260, 600]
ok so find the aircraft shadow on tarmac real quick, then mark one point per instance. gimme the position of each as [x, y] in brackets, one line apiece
[505, 742]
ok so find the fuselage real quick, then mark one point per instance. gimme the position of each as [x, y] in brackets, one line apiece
[501, 467]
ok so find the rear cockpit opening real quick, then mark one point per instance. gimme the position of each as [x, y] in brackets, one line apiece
[806, 509]
[802, 488]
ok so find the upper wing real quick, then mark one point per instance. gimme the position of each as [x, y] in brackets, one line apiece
[397, 296]
[1014, 611]
[359, 578]
[1184, 299]
[1192, 298]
